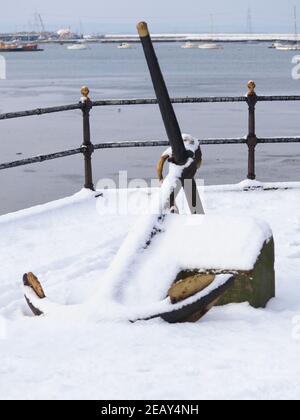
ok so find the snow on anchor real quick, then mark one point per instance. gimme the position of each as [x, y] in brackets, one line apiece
[173, 266]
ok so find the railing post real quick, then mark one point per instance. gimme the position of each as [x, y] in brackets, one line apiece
[251, 139]
[87, 147]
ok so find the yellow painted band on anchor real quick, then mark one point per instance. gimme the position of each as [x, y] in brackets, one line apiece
[142, 28]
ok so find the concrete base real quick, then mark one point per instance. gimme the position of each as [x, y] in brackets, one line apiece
[256, 286]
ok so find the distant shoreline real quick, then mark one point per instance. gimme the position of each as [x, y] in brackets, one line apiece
[204, 37]
[131, 38]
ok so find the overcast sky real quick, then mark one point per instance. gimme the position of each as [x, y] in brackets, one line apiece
[117, 16]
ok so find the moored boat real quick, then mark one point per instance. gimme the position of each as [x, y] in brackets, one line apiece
[189, 45]
[210, 46]
[13, 47]
[124, 46]
[78, 46]
[291, 47]
[275, 45]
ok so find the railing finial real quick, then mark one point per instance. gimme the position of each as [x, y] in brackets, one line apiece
[251, 88]
[85, 93]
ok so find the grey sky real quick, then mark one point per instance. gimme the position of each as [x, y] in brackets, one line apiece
[163, 15]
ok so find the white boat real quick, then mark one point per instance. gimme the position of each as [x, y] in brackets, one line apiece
[276, 45]
[288, 47]
[124, 46]
[189, 45]
[78, 46]
[210, 46]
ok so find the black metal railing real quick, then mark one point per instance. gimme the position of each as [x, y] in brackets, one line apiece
[87, 148]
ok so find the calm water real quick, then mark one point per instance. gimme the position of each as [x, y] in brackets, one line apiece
[54, 77]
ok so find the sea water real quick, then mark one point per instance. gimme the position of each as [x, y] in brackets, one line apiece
[55, 76]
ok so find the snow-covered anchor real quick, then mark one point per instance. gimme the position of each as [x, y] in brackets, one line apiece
[184, 299]
[184, 158]
[146, 279]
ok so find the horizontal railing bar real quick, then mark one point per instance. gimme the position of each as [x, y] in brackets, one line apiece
[40, 111]
[185, 100]
[134, 144]
[164, 143]
[131, 144]
[273, 140]
[142, 101]
[116, 102]
[278, 98]
[41, 158]
[191, 100]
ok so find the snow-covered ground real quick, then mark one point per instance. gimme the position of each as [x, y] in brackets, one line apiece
[234, 352]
